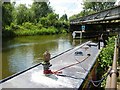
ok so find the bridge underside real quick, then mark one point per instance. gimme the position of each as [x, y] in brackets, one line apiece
[98, 22]
[96, 26]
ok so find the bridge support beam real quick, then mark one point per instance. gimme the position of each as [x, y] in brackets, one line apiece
[75, 32]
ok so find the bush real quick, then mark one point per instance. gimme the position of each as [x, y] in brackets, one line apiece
[28, 28]
[106, 55]
[36, 31]
[13, 26]
[105, 59]
[8, 33]
[63, 31]
[39, 25]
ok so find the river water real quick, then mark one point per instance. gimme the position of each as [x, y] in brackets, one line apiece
[21, 53]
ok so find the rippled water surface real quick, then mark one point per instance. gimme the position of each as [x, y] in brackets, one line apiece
[23, 52]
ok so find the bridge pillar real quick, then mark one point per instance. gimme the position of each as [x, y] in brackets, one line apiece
[75, 32]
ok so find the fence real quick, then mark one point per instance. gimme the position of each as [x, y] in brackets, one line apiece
[112, 78]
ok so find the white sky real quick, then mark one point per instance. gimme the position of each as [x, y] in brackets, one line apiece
[70, 7]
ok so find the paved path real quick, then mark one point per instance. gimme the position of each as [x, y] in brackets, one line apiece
[71, 77]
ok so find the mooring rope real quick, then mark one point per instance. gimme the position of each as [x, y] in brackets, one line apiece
[72, 64]
[80, 65]
[96, 83]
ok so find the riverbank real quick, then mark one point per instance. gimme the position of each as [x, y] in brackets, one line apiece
[30, 29]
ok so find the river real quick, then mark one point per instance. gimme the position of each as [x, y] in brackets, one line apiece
[21, 53]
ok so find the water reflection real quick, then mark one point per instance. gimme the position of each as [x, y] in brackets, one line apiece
[23, 52]
[20, 58]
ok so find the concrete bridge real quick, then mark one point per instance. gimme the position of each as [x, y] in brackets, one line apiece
[106, 19]
[99, 17]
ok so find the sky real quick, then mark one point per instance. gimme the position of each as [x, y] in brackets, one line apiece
[69, 7]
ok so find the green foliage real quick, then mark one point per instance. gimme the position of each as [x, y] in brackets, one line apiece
[97, 6]
[50, 20]
[105, 59]
[93, 7]
[64, 17]
[40, 9]
[14, 26]
[29, 26]
[63, 31]
[22, 14]
[7, 17]
[7, 32]
[106, 55]
[38, 19]
[36, 31]
[81, 14]
[39, 25]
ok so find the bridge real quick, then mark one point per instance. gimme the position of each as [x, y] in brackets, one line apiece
[99, 17]
[109, 18]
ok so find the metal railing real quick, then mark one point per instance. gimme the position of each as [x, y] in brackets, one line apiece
[114, 68]
[111, 81]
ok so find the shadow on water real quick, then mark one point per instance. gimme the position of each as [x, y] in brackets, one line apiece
[22, 52]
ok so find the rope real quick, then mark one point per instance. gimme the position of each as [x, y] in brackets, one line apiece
[62, 75]
[80, 62]
[94, 82]
[72, 64]
[90, 81]
[98, 81]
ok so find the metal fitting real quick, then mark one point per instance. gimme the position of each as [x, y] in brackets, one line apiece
[114, 71]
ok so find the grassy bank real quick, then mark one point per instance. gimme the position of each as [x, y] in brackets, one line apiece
[29, 29]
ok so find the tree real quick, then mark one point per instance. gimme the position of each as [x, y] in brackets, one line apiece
[30, 14]
[64, 17]
[50, 20]
[7, 17]
[22, 14]
[93, 7]
[53, 18]
[40, 9]
[97, 6]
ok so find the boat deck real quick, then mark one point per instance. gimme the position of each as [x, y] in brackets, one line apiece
[74, 67]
